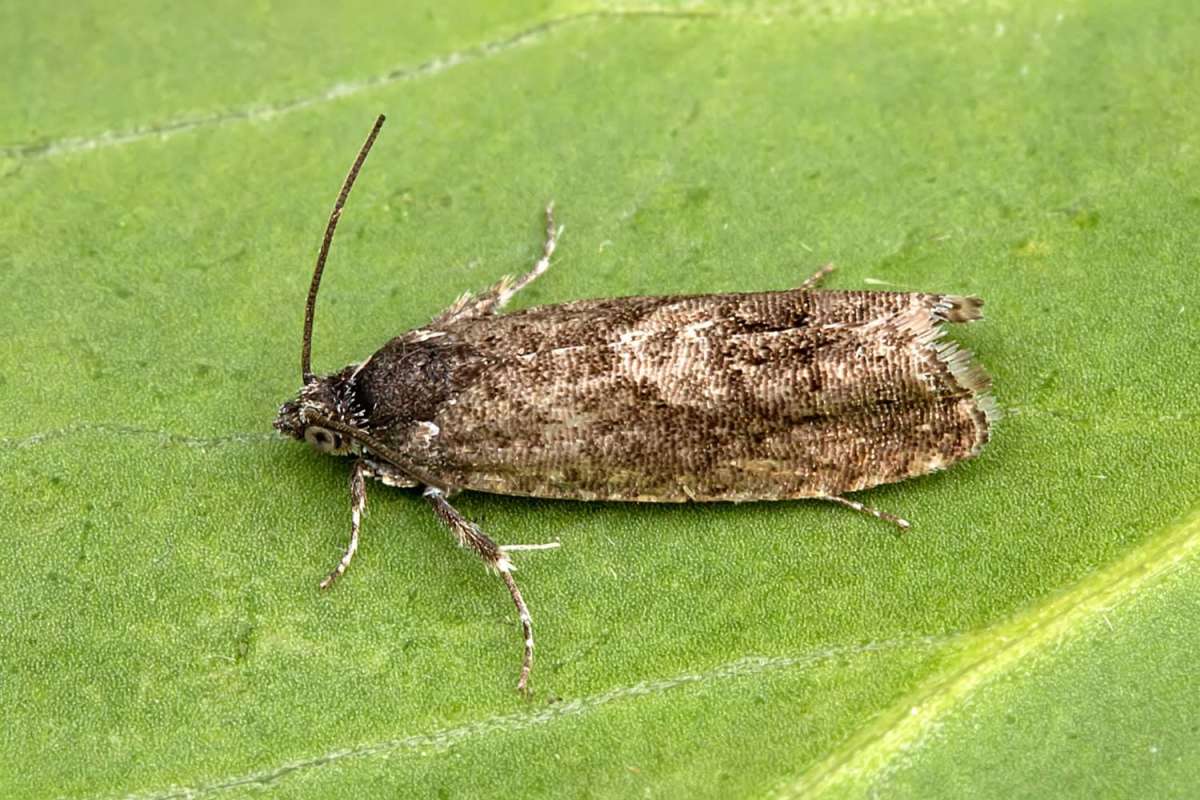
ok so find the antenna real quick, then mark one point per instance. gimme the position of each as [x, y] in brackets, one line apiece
[306, 349]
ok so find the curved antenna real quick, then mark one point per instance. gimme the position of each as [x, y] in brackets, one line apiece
[306, 349]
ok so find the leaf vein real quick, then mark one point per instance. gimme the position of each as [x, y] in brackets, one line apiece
[261, 113]
[446, 738]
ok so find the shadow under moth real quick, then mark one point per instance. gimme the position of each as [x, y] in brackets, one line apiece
[683, 398]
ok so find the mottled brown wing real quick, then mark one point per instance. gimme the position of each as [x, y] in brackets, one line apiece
[714, 397]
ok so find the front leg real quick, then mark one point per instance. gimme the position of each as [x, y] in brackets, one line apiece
[469, 535]
[386, 474]
[358, 503]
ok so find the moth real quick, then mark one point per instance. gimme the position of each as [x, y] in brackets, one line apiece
[688, 398]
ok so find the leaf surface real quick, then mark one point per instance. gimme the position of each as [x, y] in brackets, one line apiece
[167, 178]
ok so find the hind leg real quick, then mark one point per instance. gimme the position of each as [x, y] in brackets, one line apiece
[899, 522]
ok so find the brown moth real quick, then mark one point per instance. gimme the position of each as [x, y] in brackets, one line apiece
[720, 397]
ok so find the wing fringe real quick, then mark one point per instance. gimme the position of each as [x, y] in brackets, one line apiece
[952, 308]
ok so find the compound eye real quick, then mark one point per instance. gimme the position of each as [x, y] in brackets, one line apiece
[321, 439]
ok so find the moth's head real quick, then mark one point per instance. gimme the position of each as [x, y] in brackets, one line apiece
[330, 397]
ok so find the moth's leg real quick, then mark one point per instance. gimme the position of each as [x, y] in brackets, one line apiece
[358, 502]
[899, 522]
[386, 474]
[505, 289]
[469, 535]
[494, 299]
[815, 278]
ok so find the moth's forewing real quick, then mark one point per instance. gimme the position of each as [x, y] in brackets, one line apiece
[759, 396]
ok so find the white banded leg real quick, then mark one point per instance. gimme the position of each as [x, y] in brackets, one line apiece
[899, 522]
[386, 474]
[505, 290]
[495, 298]
[358, 503]
[469, 535]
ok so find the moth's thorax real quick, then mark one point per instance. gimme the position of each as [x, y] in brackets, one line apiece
[329, 397]
[413, 377]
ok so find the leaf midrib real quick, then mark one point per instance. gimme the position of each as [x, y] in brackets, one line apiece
[988, 654]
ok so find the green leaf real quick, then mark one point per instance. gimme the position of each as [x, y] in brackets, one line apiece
[167, 176]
